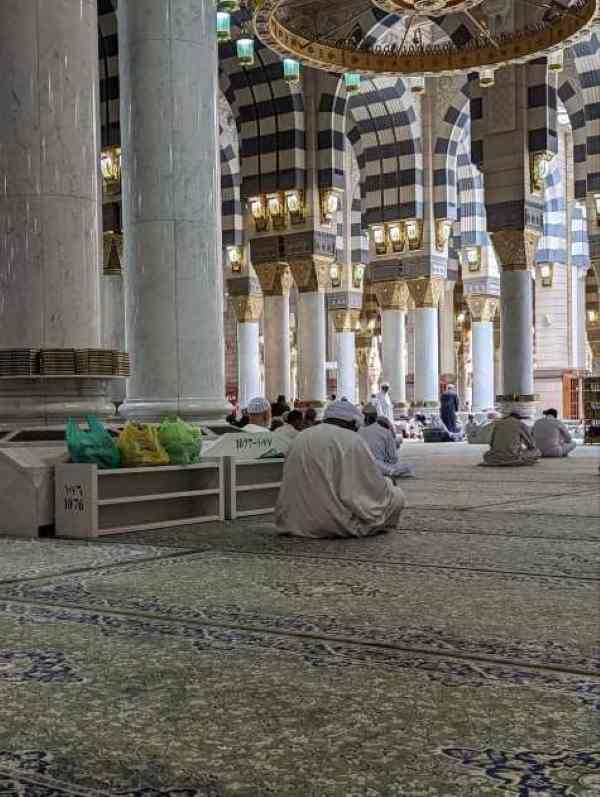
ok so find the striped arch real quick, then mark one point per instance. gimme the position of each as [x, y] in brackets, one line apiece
[449, 134]
[552, 246]
[269, 117]
[231, 206]
[570, 94]
[108, 55]
[359, 239]
[382, 115]
[471, 196]
[580, 247]
[332, 131]
[587, 65]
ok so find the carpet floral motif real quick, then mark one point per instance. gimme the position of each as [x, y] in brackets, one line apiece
[36, 665]
[533, 772]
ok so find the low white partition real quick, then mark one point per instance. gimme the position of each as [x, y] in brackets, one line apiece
[252, 486]
[90, 502]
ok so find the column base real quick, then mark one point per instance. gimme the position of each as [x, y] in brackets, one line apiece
[307, 405]
[51, 400]
[191, 409]
[427, 408]
[525, 405]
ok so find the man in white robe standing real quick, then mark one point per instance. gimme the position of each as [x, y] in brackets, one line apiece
[332, 486]
[383, 402]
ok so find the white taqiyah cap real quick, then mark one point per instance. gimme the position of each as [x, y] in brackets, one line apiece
[385, 384]
[258, 406]
[343, 411]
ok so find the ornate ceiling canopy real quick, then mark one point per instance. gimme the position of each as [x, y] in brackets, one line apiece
[421, 37]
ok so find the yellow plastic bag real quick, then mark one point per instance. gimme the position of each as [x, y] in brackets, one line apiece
[140, 447]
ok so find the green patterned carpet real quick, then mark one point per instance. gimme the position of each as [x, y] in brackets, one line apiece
[456, 657]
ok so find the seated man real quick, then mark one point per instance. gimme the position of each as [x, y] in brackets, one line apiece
[481, 433]
[331, 484]
[552, 436]
[289, 430]
[381, 441]
[259, 415]
[511, 444]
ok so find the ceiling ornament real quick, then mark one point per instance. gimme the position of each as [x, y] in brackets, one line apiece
[324, 35]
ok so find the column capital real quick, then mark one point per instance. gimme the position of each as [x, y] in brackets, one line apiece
[275, 278]
[247, 308]
[515, 249]
[392, 294]
[481, 308]
[426, 291]
[310, 273]
[346, 320]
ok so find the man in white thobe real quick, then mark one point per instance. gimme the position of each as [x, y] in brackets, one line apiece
[552, 436]
[259, 413]
[381, 441]
[511, 444]
[383, 402]
[332, 486]
[286, 434]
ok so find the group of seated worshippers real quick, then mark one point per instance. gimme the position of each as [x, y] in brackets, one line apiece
[480, 433]
[332, 485]
[513, 443]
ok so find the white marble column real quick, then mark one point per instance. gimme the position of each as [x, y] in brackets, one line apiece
[426, 293]
[345, 322]
[171, 208]
[446, 325]
[393, 298]
[311, 276]
[482, 309]
[277, 346]
[516, 306]
[312, 387]
[363, 345]
[50, 227]
[249, 362]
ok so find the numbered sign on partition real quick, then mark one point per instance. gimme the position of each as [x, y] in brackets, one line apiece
[244, 446]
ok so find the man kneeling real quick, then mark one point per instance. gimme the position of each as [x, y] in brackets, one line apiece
[331, 484]
[552, 436]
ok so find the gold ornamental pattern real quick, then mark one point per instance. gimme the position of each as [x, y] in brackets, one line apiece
[392, 295]
[275, 278]
[515, 249]
[310, 273]
[247, 308]
[426, 291]
[482, 308]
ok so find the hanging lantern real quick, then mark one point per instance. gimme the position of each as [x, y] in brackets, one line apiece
[417, 85]
[486, 78]
[351, 81]
[223, 26]
[556, 61]
[245, 51]
[231, 6]
[291, 70]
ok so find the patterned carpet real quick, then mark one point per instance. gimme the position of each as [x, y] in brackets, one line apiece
[456, 657]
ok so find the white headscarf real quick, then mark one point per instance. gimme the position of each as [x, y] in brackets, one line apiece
[343, 411]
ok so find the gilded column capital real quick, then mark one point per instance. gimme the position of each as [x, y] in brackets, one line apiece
[363, 350]
[515, 249]
[247, 308]
[346, 320]
[311, 273]
[481, 308]
[392, 295]
[426, 291]
[275, 278]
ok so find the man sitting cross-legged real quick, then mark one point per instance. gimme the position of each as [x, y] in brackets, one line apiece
[381, 440]
[332, 486]
[552, 436]
[511, 444]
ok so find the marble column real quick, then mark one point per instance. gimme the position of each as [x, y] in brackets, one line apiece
[345, 322]
[275, 280]
[248, 310]
[50, 213]
[393, 298]
[426, 292]
[515, 250]
[447, 355]
[172, 209]
[310, 274]
[482, 310]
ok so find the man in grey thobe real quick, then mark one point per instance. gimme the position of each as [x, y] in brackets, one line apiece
[551, 436]
[381, 440]
[511, 444]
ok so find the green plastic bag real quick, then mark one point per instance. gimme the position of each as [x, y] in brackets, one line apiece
[181, 440]
[94, 445]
